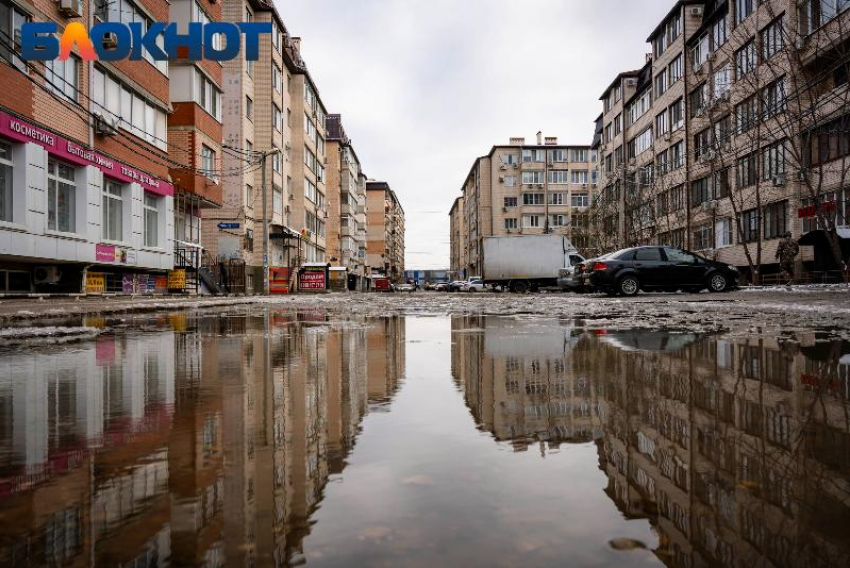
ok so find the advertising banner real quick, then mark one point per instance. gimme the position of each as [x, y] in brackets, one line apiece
[279, 280]
[177, 279]
[312, 280]
[95, 283]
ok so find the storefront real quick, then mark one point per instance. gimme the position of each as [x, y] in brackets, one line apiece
[67, 212]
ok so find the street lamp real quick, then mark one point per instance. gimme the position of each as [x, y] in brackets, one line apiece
[263, 155]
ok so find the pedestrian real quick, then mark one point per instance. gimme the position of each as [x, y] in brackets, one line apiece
[787, 252]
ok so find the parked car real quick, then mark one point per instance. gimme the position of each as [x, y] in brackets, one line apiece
[456, 286]
[441, 287]
[569, 277]
[473, 286]
[630, 270]
[405, 287]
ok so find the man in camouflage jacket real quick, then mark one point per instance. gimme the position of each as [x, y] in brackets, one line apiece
[786, 253]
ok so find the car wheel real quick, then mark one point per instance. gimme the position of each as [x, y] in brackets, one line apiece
[718, 283]
[628, 286]
[519, 287]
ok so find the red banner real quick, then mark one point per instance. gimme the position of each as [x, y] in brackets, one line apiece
[311, 280]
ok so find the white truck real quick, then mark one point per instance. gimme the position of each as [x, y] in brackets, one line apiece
[527, 262]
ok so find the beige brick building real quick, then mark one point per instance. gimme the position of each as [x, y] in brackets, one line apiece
[457, 240]
[346, 201]
[384, 231]
[524, 188]
[729, 136]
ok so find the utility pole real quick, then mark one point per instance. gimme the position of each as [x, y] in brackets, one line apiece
[263, 155]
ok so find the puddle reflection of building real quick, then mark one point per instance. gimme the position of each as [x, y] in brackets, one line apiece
[738, 451]
[116, 452]
[519, 381]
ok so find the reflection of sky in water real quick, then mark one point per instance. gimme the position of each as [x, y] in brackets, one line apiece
[424, 441]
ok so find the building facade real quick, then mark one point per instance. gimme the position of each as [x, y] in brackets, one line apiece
[731, 135]
[384, 231]
[86, 201]
[457, 240]
[521, 188]
[346, 202]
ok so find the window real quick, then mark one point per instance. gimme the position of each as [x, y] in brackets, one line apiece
[746, 115]
[700, 191]
[277, 117]
[510, 180]
[580, 156]
[579, 177]
[661, 124]
[749, 226]
[680, 256]
[702, 143]
[113, 211]
[557, 220]
[311, 192]
[661, 163]
[133, 112]
[701, 51]
[532, 178]
[249, 196]
[743, 9]
[532, 199]
[6, 178]
[773, 38]
[151, 221]
[533, 156]
[775, 219]
[642, 142]
[207, 95]
[125, 11]
[11, 20]
[559, 176]
[580, 200]
[531, 221]
[828, 142]
[675, 70]
[722, 81]
[677, 115]
[510, 159]
[650, 254]
[723, 130]
[277, 78]
[61, 196]
[277, 161]
[640, 106]
[510, 201]
[277, 200]
[249, 108]
[721, 183]
[773, 98]
[557, 198]
[747, 170]
[703, 237]
[618, 124]
[745, 58]
[698, 99]
[208, 162]
[719, 34]
[660, 84]
[773, 160]
[677, 198]
[723, 232]
[815, 13]
[510, 223]
[677, 155]
[62, 77]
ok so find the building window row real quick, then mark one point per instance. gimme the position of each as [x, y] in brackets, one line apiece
[129, 109]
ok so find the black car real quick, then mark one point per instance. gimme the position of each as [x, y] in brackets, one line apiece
[630, 270]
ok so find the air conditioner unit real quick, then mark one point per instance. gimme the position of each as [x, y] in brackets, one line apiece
[802, 175]
[105, 126]
[584, 186]
[779, 180]
[46, 275]
[666, 136]
[709, 205]
[800, 43]
[71, 8]
[504, 167]
[286, 209]
[539, 186]
[504, 209]
[510, 231]
[631, 82]
[516, 166]
[695, 11]
[551, 164]
[595, 185]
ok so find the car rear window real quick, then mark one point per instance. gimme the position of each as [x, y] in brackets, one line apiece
[650, 254]
[626, 255]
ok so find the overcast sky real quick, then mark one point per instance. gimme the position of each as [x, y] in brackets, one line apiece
[426, 86]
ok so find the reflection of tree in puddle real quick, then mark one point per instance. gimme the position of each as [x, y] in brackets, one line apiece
[736, 450]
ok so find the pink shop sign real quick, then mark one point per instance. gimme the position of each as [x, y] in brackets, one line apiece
[17, 129]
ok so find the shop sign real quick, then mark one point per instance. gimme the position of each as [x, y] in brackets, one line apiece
[63, 148]
[312, 280]
[177, 279]
[113, 255]
[95, 283]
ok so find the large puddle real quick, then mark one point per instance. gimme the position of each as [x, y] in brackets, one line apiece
[281, 437]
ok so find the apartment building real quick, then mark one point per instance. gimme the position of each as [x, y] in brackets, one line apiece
[384, 231]
[730, 135]
[346, 203]
[194, 136]
[529, 189]
[457, 240]
[86, 202]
